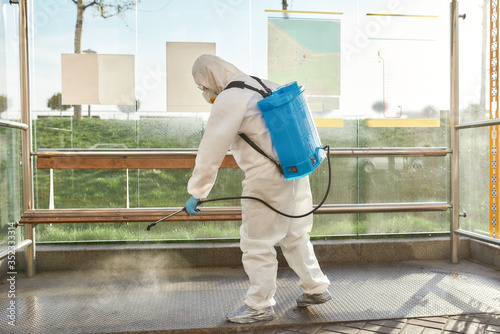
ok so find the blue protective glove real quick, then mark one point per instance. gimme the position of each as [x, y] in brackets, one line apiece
[191, 205]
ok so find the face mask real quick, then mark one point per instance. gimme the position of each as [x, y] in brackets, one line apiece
[209, 96]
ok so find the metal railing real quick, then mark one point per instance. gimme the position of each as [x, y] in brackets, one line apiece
[154, 153]
[455, 128]
[12, 251]
[454, 109]
[182, 158]
[477, 124]
[29, 232]
[456, 226]
[27, 242]
[13, 125]
[477, 236]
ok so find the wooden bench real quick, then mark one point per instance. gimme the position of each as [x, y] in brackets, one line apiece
[177, 159]
[54, 216]
[123, 159]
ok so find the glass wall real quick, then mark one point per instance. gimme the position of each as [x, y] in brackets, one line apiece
[11, 195]
[476, 144]
[375, 73]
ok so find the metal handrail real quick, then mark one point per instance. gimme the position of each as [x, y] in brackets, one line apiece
[145, 153]
[23, 244]
[13, 125]
[117, 215]
[454, 143]
[383, 207]
[390, 151]
[478, 236]
[477, 124]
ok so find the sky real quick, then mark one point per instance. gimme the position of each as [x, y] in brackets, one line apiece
[419, 46]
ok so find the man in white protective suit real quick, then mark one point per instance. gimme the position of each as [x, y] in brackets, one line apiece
[235, 111]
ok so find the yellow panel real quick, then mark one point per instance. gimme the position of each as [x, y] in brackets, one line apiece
[494, 142]
[401, 15]
[329, 122]
[493, 180]
[403, 122]
[300, 12]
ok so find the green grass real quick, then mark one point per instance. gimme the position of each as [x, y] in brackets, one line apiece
[167, 188]
[174, 231]
[192, 231]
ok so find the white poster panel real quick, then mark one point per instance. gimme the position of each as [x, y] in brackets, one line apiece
[183, 94]
[80, 79]
[98, 79]
[116, 80]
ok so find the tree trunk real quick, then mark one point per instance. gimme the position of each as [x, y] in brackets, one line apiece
[284, 5]
[80, 9]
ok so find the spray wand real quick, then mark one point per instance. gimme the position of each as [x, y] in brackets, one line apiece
[327, 147]
[170, 215]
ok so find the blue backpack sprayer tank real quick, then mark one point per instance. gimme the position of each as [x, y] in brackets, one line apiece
[292, 130]
[294, 136]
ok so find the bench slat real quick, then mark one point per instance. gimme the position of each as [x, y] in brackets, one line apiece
[45, 216]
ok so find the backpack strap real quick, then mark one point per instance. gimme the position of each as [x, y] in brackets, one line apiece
[258, 149]
[241, 84]
[268, 90]
[265, 93]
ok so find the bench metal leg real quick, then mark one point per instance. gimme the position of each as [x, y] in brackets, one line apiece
[30, 251]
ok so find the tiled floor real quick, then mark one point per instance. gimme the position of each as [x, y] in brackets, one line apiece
[408, 297]
[468, 324]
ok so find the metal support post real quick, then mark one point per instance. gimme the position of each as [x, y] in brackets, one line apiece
[454, 132]
[29, 229]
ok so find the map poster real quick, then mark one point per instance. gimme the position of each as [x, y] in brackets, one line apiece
[307, 51]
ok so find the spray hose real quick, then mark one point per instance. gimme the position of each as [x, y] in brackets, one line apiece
[327, 147]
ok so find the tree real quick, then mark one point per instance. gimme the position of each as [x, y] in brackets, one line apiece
[103, 8]
[3, 103]
[55, 103]
[379, 106]
[130, 109]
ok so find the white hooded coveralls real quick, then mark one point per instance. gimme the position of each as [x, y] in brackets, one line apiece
[235, 111]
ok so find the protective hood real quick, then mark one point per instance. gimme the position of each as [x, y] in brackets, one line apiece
[214, 73]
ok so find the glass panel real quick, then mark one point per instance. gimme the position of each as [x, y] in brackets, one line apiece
[111, 232]
[383, 224]
[403, 223]
[390, 63]
[474, 39]
[9, 62]
[11, 192]
[478, 183]
[474, 181]
[403, 179]
[403, 47]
